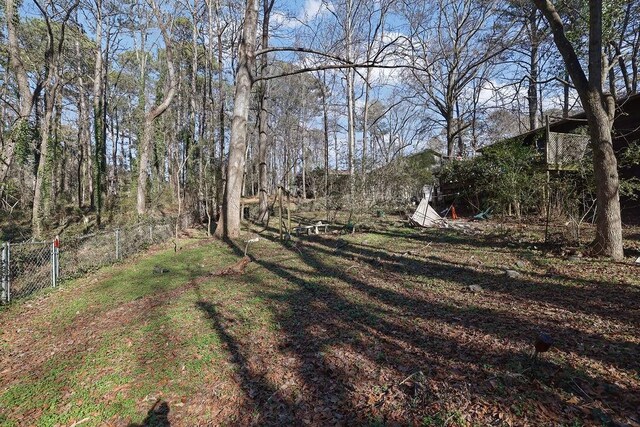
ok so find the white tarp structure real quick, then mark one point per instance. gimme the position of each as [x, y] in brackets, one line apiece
[425, 215]
[427, 192]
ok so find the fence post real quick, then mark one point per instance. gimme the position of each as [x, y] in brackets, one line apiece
[56, 257]
[151, 233]
[117, 244]
[5, 282]
[53, 264]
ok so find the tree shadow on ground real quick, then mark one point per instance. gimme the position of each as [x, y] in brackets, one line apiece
[263, 402]
[587, 296]
[368, 349]
[158, 416]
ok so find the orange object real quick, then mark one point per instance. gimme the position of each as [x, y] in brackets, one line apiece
[453, 212]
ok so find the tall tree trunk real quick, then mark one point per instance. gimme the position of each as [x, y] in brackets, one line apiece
[230, 224]
[365, 123]
[113, 172]
[532, 94]
[351, 131]
[263, 140]
[40, 194]
[26, 96]
[351, 106]
[600, 110]
[154, 113]
[85, 174]
[304, 163]
[196, 202]
[450, 132]
[325, 122]
[51, 86]
[220, 181]
[99, 126]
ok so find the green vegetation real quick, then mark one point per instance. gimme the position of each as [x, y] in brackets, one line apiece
[507, 176]
[368, 328]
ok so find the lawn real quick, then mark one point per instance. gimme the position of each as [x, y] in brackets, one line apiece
[379, 327]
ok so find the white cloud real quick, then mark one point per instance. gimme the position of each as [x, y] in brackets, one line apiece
[310, 11]
[283, 20]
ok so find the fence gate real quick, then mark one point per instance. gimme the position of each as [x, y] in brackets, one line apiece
[28, 267]
[31, 268]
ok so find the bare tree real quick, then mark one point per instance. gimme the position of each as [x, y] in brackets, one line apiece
[263, 215]
[26, 96]
[229, 224]
[451, 46]
[600, 110]
[51, 86]
[156, 111]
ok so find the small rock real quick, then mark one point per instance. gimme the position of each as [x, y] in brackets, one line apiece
[513, 274]
[638, 260]
[520, 264]
[160, 270]
[475, 288]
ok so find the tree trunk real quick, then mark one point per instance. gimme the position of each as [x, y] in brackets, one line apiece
[351, 131]
[450, 132]
[608, 241]
[220, 182]
[39, 193]
[533, 71]
[263, 195]
[365, 123]
[325, 122]
[99, 127]
[85, 174]
[154, 113]
[230, 224]
[26, 96]
[599, 109]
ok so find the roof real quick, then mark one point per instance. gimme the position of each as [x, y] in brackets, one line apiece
[626, 126]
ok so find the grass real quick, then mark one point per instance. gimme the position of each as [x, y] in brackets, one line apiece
[370, 328]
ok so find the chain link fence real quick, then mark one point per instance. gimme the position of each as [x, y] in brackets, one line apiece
[28, 267]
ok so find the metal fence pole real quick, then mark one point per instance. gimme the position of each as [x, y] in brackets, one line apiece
[56, 257]
[117, 244]
[4, 280]
[53, 264]
[151, 233]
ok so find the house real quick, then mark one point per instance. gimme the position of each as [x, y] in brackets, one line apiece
[563, 142]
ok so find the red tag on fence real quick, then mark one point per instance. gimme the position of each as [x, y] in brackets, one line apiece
[56, 242]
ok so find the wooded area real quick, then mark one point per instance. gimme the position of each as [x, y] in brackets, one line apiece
[319, 212]
[119, 109]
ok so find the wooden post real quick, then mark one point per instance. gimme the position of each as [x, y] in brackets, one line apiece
[546, 161]
[280, 211]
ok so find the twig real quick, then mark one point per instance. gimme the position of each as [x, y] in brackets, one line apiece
[409, 377]
[584, 393]
[82, 421]
[426, 246]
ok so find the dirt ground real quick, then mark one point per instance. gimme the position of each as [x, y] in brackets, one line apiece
[390, 325]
